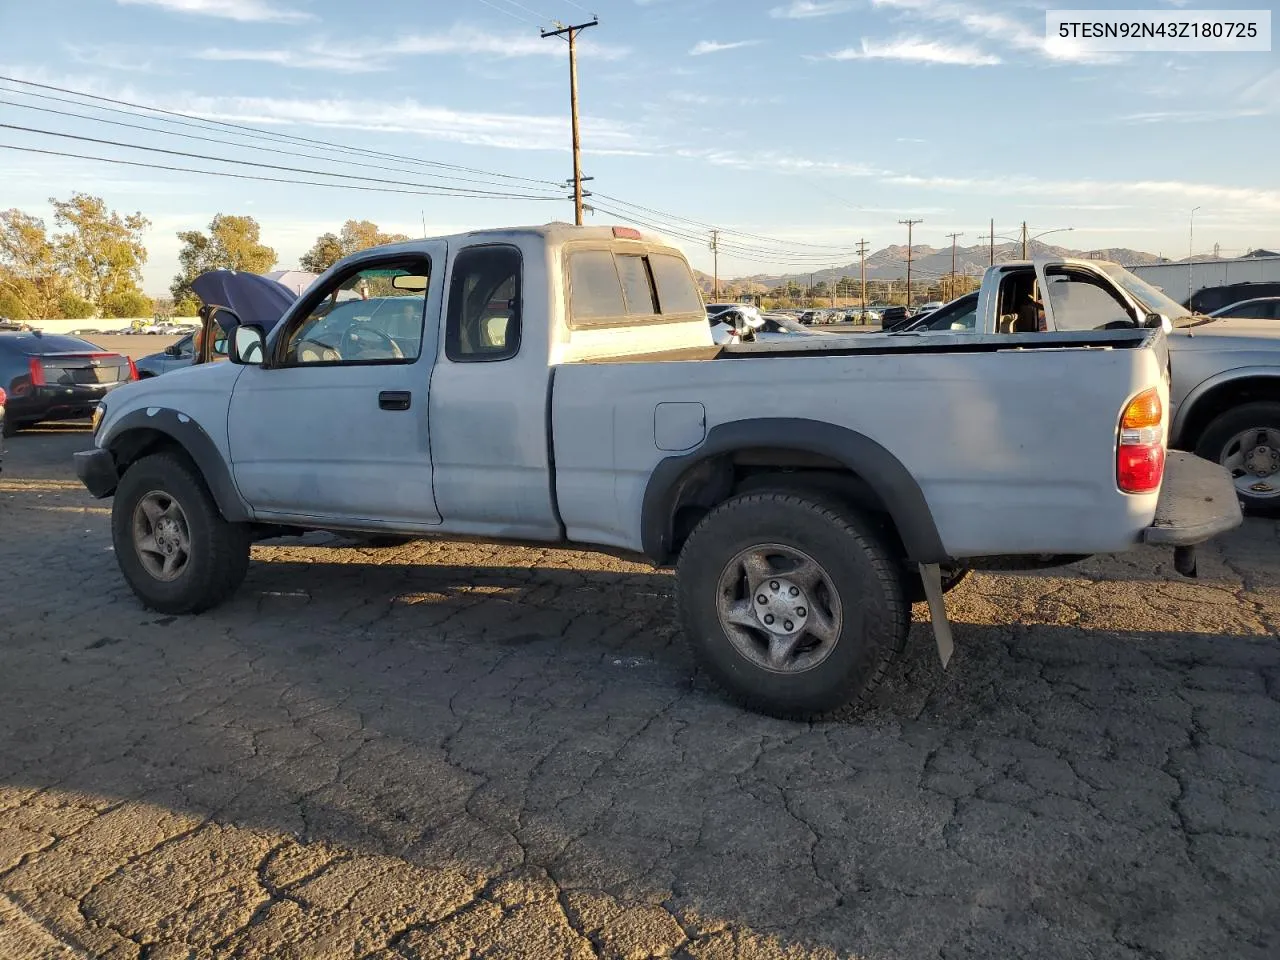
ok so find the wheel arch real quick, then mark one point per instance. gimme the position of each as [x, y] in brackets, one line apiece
[1213, 397]
[152, 429]
[809, 453]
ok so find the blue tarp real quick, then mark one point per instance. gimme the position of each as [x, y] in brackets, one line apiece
[253, 298]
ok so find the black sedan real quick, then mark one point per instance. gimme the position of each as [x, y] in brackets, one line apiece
[52, 377]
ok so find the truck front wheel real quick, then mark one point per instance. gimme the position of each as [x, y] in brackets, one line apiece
[173, 546]
[793, 605]
[1246, 440]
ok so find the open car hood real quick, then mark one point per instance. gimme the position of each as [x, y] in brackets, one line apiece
[254, 298]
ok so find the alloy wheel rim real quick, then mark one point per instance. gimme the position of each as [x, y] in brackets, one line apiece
[161, 536]
[779, 608]
[1252, 457]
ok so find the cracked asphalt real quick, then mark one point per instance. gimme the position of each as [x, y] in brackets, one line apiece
[453, 750]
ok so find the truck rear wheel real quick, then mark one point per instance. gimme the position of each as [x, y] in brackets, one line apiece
[173, 546]
[793, 605]
[1246, 440]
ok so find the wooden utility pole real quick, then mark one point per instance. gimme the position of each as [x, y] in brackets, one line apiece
[862, 252]
[1024, 239]
[952, 284]
[910, 223]
[715, 261]
[572, 32]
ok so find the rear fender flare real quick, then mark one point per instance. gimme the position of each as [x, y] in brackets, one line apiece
[878, 468]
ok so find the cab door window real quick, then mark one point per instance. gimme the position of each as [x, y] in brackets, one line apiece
[373, 314]
[1083, 301]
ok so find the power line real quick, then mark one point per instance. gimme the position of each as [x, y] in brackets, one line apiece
[739, 233]
[441, 190]
[541, 16]
[186, 119]
[230, 143]
[772, 258]
[243, 176]
[513, 16]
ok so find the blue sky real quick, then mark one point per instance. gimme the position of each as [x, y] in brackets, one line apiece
[815, 122]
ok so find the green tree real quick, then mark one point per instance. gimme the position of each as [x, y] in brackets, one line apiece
[355, 235]
[75, 307]
[232, 243]
[324, 253]
[29, 280]
[127, 303]
[100, 253]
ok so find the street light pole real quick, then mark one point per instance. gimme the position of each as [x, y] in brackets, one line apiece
[1191, 256]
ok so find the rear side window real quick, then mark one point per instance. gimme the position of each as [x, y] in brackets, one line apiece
[637, 288]
[595, 290]
[677, 293]
[483, 321]
[607, 288]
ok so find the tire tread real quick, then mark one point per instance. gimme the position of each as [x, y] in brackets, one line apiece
[857, 690]
[225, 553]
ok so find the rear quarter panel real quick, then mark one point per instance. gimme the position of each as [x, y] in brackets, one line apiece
[1014, 450]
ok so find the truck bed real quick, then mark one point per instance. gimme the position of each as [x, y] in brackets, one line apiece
[873, 344]
[1011, 438]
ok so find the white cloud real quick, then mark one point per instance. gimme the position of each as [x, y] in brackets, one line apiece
[500, 130]
[245, 11]
[996, 27]
[712, 46]
[109, 57]
[367, 55]
[1240, 198]
[335, 62]
[806, 9]
[778, 162]
[916, 50]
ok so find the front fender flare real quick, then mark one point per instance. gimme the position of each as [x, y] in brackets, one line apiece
[192, 438]
[1198, 392]
[878, 468]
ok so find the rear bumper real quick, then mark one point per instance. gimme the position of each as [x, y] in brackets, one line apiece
[97, 471]
[58, 402]
[1197, 502]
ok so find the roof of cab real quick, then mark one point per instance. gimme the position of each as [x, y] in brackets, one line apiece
[554, 233]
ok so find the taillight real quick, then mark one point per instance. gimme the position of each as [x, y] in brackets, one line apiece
[133, 369]
[1140, 455]
[3, 397]
[37, 372]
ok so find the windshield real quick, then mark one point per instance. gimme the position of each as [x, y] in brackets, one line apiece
[1155, 301]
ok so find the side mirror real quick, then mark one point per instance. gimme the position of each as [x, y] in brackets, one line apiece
[171, 350]
[247, 345]
[1154, 320]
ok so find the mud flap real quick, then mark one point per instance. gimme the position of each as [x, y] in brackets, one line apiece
[931, 577]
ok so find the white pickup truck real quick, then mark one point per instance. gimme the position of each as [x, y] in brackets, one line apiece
[1224, 394]
[559, 384]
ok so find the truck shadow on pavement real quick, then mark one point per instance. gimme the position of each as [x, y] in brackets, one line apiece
[530, 736]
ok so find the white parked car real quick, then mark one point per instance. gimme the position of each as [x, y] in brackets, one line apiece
[734, 323]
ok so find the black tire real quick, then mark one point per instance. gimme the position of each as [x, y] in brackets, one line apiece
[866, 575]
[9, 428]
[1213, 443]
[219, 551]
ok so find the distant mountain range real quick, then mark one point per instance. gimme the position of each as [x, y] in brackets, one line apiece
[927, 263]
